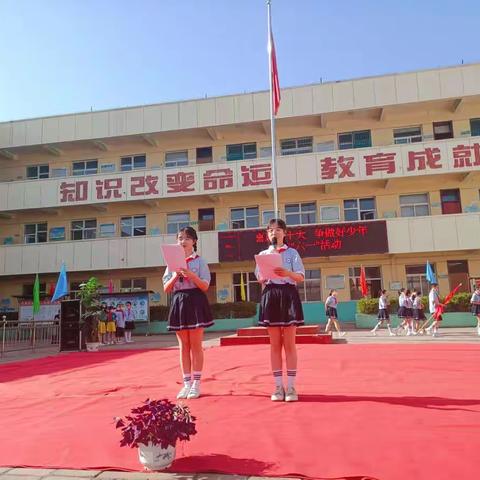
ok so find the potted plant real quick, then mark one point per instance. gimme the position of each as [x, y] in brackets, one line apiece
[154, 428]
[91, 307]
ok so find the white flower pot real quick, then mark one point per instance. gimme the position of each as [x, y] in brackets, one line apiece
[154, 457]
[93, 347]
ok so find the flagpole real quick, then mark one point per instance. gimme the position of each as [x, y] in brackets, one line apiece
[272, 116]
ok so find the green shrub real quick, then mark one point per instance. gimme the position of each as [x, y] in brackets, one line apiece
[159, 313]
[459, 303]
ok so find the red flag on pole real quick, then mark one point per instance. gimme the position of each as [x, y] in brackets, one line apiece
[275, 86]
[441, 307]
[363, 282]
[52, 289]
[110, 286]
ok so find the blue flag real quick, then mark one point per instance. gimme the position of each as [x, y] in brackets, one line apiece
[429, 274]
[61, 289]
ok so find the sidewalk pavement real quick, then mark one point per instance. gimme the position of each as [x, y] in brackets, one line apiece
[56, 474]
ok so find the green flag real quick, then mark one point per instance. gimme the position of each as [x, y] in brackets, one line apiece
[36, 295]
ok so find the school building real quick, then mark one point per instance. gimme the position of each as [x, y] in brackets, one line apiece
[382, 172]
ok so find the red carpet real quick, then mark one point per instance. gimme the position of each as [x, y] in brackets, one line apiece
[389, 412]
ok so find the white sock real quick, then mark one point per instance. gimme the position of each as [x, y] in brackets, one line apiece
[376, 326]
[197, 376]
[278, 376]
[187, 379]
[389, 329]
[291, 377]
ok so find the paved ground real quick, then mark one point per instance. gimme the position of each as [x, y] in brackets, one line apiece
[49, 474]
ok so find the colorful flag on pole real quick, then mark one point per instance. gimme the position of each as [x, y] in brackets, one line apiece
[430, 276]
[36, 295]
[363, 282]
[441, 307]
[275, 86]
[61, 289]
[110, 286]
[243, 294]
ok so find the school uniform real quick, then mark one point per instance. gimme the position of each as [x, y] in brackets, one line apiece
[401, 306]
[120, 323]
[280, 304]
[102, 323]
[129, 319]
[408, 307]
[475, 307]
[331, 307]
[111, 322]
[433, 301]
[189, 308]
[383, 313]
[418, 313]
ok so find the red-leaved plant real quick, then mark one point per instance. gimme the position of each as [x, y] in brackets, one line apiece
[158, 421]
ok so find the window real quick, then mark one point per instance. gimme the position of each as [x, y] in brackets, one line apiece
[131, 284]
[133, 163]
[35, 233]
[253, 290]
[359, 139]
[374, 281]
[267, 215]
[359, 209]
[83, 229]
[330, 213]
[204, 155]
[475, 127]
[133, 226]
[176, 159]
[296, 146]
[107, 230]
[107, 167]
[176, 221]
[414, 205]
[244, 217]
[38, 171]
[416, 278]
[59, 172]
[300, 213]
[206, 219]
[310, 289]
[241, 151]
[407, 135]
[88, 167]
[450, 200]
[27, 290]
[442, 130]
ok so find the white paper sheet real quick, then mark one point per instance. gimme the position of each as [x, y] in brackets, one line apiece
[267, 264]
[174, 256]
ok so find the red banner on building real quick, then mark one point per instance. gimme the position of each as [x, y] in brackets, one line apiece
[310, 240]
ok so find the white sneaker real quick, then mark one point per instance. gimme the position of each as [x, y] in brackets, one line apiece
[374, 332]
[409, 333]
[183, 393]
[392, 334]
[342, 334]
[291, 395]
[278, 395]
[478, 331]
[194, 391]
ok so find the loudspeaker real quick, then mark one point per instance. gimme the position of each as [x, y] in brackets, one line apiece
[70, 326]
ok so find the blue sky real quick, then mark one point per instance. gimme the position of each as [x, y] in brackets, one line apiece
[63, 56]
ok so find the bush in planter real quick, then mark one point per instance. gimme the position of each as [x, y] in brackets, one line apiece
[459, 303]
[91, 307]
[157, 421]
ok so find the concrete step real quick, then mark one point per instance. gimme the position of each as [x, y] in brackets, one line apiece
[323, 338]
[262, 331]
